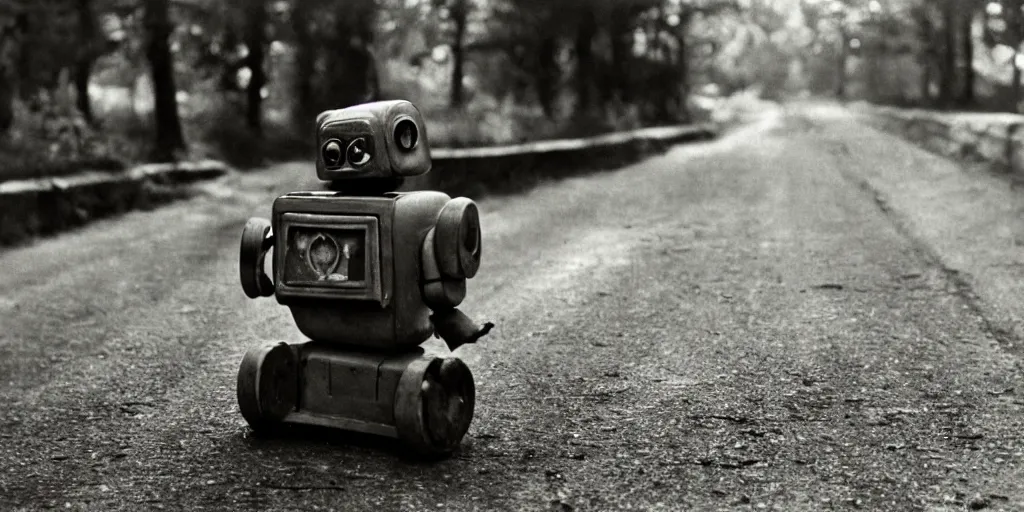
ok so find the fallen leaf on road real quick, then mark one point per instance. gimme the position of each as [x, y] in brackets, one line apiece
[979, 502]
[973, 436]
[828, 286]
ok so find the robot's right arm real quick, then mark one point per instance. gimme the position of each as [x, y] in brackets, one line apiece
[451, 255]
[257, 239]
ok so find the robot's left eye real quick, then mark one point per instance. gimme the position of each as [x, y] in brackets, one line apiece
[357, 153]
[332, 153]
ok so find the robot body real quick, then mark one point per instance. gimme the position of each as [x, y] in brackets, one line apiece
[382, 306]
[368, 278]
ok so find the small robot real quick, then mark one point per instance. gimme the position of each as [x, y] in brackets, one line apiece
[369, 275]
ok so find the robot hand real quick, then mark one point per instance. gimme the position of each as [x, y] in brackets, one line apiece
[457, 329]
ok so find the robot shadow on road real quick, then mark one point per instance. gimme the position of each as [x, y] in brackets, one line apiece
[313, 439]
[369, 274]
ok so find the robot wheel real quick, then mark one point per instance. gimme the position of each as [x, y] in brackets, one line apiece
[267, 385]
[434, 405]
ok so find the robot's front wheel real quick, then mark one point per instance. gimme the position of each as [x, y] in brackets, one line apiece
[434, 405]
[267, 385]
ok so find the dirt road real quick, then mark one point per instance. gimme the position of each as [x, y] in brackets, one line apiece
[806, 314]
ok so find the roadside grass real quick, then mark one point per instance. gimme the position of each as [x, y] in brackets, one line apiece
[43, 143]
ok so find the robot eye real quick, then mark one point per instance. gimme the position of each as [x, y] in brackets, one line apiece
[357, 154]
[332, 153]
[406, 134]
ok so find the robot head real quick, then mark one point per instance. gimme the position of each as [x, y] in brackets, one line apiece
[385, 139]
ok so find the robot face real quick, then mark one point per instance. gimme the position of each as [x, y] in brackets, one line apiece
[348, 148]
[374, 140]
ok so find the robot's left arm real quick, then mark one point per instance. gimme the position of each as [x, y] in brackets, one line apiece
[450, 256]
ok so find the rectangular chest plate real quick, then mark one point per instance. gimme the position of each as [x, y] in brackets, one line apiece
[329, 256]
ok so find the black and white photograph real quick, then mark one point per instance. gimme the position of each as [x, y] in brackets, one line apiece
[511, 255]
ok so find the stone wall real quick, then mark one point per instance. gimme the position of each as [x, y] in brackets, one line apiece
[45, 206]
[993, 138]
[49, 205]
[476, 172]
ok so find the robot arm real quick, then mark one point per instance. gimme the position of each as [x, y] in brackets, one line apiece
[257, 239]
[450, 256]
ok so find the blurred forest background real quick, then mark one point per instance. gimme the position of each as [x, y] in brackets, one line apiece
[102, 83]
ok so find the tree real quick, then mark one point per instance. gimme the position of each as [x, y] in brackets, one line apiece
[531, 36]
[927, 55]
[169, 138]
[10, 44]
[1013, 35]
[255, 42]
[458, 11]
[968, 12]
[948, 68]
[89, 50]
[586, 31]
[305, 61]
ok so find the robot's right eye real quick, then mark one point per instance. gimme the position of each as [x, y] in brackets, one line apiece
[358, 155]
[332, 153]
[406, 134]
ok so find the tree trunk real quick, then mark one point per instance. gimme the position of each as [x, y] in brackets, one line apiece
[26, 55]
[350, 65]
[620, 69]
[255, 41]
[305, 64]
[523, 83]
[83, 69]
[869, 62]
[1016, 31]
[844, 45]
[967, 54]
[947, 79]
[9, 42]
[926, 81]
[87, 55]
[7, 93]
[585, 33]
[168, 126]
[546, 78]
[926, 59]
[682, 70]
[620, 34]
[459, 12]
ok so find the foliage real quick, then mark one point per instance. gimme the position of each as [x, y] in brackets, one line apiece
[248, 76]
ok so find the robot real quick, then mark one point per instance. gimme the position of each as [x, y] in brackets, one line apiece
[369, 275]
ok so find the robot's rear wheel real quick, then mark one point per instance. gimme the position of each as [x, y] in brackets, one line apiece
[434, 405]
[267, 385]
